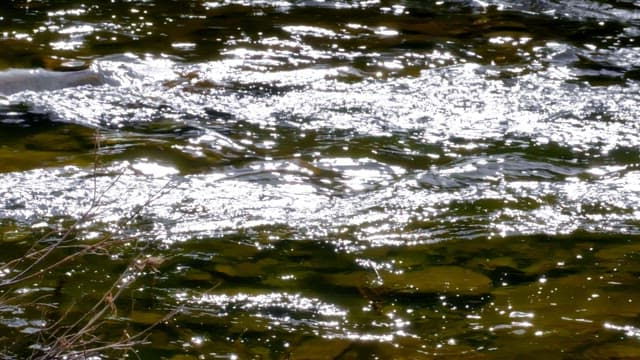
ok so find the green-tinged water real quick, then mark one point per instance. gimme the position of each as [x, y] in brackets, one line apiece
[320, 179]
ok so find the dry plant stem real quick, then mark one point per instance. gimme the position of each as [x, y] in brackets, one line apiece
[129, 342]
[64, 260]
[103, 305]
[86, 216]
[96, 160]
[78, 339]
[56, 324]
[49, 249]
[72, 335]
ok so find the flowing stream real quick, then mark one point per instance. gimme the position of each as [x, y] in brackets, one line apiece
[327, 179]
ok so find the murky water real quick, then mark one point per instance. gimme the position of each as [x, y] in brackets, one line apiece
[327, 179]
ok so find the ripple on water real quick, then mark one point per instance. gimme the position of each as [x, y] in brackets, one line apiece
[441, 104]
[380, 203]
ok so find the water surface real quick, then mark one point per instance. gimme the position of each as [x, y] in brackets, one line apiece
[342, 179]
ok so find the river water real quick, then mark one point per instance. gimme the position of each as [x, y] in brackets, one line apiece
[326, 179]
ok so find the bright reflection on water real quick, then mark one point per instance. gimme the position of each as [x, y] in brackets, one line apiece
[396, 179]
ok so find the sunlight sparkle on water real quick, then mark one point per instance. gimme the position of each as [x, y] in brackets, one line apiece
[277, 4]
[628, 330]
[66, 45]
[185, 46]
[309, 31]
[67, 12]
[385, 31]
[77, 29]
[153, 169]
[293, 302]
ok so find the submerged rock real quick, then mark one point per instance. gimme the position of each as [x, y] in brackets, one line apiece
[429, 280]
[198, 275]
[146, 317]
[438, 279]
[319, 348]
[613, 351]
[618, 252]
[246, 269]
[55, 142]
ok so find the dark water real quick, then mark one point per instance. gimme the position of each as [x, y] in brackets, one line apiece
[324, 179]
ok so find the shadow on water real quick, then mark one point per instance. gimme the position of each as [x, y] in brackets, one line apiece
[30, 140]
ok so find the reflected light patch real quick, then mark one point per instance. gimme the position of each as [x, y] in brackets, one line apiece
[628, 330]
[153, 169]
[72, 12]
[370, 337]
[66, 45]
[185, 46]
[385, 31]
[309, 31]
[275, 4]
[393, 65]
[502, 40]
[292, 302]
[81, 29]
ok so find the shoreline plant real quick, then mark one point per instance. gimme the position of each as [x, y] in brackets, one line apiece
[63, 331]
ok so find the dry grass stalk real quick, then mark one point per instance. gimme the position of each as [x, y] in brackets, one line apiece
[65, 338]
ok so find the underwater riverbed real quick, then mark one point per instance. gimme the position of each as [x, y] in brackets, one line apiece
[320, 179]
